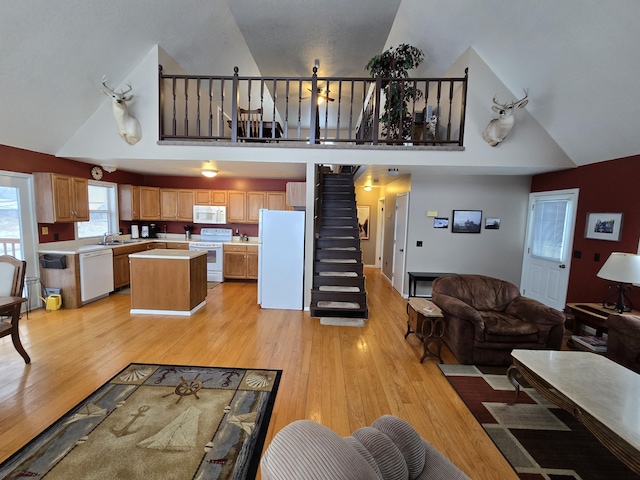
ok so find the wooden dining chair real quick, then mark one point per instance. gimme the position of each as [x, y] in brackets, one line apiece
[12, 272]
[249, 122]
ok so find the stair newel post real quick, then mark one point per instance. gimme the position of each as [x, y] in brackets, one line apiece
[160, 104]
[376, 110]
[235, 90]
[463, 106]
[314, 124]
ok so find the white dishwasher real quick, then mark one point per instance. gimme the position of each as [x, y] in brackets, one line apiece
[96, 274]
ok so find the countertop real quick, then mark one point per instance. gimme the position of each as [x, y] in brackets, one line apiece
[74, 247]
[161, 253]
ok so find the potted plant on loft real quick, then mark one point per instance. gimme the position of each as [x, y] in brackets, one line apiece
[392, 66]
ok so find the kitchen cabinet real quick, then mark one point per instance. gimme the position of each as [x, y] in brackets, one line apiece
[240, 261]
[176, 204]
[121, 269]
[236, 206]
[211, 197]
[149, 203]
[61, 198]
[276, 200]
[129, 202]
[255, 202]
[296, 194]
[177, 246]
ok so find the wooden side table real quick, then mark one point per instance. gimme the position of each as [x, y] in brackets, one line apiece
[425, 322]
[592, 314]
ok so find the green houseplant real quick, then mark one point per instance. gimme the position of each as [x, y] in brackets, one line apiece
[392, 66]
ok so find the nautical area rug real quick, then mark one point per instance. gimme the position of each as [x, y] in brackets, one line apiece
[158, 421]
[540, 440]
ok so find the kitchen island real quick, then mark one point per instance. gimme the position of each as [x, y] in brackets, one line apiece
[168, 282]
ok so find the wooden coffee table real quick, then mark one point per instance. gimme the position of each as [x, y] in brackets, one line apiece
[601, 394]
[426, 322]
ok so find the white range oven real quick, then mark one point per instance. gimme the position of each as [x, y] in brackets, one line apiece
[211, 240]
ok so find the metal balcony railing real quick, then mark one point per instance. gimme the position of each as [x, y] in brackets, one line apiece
[312, 110]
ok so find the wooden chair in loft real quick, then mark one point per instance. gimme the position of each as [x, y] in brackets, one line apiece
[249, 123]
[12, 272]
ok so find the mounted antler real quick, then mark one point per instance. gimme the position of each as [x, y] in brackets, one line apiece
[498, 128]
[128, 126]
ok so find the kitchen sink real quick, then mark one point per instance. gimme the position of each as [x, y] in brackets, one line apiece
[114, 242]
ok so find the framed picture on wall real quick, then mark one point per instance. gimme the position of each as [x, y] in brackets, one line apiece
[466, 221]
[440, 222]
[604, 226]
[491, 223]
[363, 221]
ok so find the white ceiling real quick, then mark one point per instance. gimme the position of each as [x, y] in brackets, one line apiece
[577, 57]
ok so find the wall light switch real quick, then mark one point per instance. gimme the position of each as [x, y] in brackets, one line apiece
[45, 230]
[432, 213]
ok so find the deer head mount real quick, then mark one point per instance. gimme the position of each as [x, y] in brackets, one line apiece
[498, 128]
[128, 126]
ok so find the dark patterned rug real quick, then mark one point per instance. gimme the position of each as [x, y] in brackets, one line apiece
[540, 440]
[158, 421]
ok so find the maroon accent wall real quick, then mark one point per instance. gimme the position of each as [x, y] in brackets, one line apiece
[610, 186]
[25, 161]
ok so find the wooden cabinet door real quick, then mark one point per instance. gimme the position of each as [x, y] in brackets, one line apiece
[255, 201]
[129, 202]
[236, 210]
[168, 204]
[202, 197]
[235, 263]
[62, 198]
[149, 203]
[80, 199]
[184, 209]
[252, 262]
[276, 200]
[120, 271]
[218, 197]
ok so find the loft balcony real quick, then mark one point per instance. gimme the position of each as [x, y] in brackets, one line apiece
[311, 110]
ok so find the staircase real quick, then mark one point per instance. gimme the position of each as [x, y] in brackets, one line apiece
[338, 278]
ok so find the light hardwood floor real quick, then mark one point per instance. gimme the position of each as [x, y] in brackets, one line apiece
[342, 377]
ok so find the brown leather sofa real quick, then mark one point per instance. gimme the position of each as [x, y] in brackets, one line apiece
[485, 318]
[623, 340]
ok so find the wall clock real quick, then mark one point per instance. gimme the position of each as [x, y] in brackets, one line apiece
[96, 173]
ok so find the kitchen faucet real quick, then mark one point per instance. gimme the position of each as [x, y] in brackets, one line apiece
[105, 239]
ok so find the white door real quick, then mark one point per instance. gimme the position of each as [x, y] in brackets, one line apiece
[400, 241]
[547, 259]
[17, 225]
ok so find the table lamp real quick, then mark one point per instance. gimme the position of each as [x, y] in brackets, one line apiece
[623, 269]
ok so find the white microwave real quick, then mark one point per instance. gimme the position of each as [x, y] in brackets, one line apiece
[211, 214]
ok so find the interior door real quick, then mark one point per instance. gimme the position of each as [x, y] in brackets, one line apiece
[400, 241]
[547, 259]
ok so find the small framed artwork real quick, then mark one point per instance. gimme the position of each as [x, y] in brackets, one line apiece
[492, 223]
[604, 226]
[441, 222]
[466, 221]
[363, 221]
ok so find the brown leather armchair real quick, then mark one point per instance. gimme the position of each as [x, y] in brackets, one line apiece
[485, 318]
[623, 340]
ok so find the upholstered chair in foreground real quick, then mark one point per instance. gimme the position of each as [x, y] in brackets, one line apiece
[485, 318]
[623, 340]
[388, 449]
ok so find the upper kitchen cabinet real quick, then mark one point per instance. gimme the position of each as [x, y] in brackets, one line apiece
[149, 203]
[297, 194]
[129, 202]
[61, 198]
[176, 204]
[276, 200]
[211, 197]
[255, 202]
[236, 206]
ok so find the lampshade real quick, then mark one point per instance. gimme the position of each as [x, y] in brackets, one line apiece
[209, 173]
[621, 268]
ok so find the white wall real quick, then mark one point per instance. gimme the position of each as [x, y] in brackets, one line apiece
[496, 253]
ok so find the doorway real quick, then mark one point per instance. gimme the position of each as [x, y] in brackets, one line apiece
[547, 259]
[400, 241]
[379, 233]
[18, 236]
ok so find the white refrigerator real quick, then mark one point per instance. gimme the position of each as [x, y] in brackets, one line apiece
[281, 259]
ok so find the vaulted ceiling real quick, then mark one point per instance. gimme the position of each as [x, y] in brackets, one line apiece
[577, 57]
